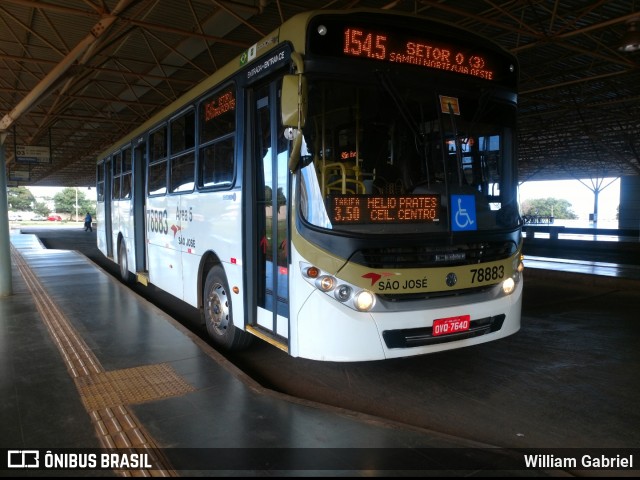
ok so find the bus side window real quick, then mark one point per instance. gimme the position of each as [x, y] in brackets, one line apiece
[125, 187]
[217, 125]
[182, 170]
[158, 178]
[217, 164]
[100, 182]
[117, 173]
[158, 150]
[183, 133]
[157, 174]
[182, 173]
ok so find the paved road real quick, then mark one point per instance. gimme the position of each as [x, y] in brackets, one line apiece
[569, 378]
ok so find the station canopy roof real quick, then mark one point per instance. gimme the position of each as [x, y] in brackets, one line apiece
[77, 75]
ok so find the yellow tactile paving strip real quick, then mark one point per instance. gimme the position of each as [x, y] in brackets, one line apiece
[106, 394]
[131, 385]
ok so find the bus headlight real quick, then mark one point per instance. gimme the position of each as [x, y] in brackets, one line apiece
[343, 293]
[311, 272]
[508, 285]
[346, 293]
[364, 300]
[326, 283]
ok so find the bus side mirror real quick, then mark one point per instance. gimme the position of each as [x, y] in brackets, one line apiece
[294, 158]
[294, 112]
[294, 101]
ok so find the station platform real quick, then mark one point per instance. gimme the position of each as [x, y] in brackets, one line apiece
[86, 366]
[584, 272]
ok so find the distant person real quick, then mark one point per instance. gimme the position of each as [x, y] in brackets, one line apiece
[87, 223]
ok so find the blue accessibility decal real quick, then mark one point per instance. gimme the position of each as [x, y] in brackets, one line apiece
[463, 213]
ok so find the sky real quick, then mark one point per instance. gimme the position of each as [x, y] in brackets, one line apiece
[89, 192]
[578, 195]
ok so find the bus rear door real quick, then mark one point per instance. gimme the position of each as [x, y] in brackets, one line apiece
[139, 205]
[108, 225]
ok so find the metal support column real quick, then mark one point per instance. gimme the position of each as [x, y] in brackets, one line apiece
[6, 285]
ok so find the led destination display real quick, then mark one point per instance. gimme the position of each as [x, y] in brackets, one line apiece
[373, 44]
[428, 46]
[350, 209]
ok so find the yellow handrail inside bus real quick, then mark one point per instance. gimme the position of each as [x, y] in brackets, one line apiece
[348, 174]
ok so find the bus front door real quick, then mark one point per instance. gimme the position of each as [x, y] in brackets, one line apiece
[272, 215]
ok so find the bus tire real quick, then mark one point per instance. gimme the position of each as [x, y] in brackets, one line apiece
[123, 263]
[218, 313]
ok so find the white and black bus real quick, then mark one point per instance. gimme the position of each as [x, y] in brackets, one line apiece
[345, 190]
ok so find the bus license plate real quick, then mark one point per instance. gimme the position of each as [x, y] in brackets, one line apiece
[446, 326]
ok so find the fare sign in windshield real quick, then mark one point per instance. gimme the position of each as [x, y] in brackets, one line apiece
[359, 209]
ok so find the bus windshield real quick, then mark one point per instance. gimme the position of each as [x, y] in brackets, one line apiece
[394, 153]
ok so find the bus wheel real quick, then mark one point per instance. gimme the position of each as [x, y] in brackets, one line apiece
[218, 314]
[123, 263]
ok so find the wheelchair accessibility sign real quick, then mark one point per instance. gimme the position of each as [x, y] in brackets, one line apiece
[463, 213]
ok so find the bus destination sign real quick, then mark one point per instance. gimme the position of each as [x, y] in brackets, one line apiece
[427, 45]
[385, 46]
[371, 209]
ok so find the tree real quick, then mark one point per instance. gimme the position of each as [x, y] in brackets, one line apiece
[549, 207]
[41, 208]
[65, 201]
[20, 198]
